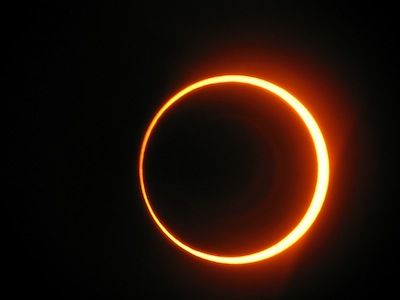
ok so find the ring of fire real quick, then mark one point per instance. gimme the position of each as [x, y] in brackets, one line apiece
[320, 187]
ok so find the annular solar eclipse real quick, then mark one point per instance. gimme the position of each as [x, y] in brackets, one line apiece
[321, 185]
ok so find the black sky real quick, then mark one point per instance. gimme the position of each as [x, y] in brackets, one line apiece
[90, 78]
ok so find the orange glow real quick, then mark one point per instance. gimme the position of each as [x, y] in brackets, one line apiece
[320, 187]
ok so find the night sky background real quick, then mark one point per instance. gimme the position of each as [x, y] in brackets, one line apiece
[86, 82]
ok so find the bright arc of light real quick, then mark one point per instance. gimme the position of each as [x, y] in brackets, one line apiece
[320, 187]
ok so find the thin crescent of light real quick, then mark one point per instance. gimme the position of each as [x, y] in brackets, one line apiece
[322, 173]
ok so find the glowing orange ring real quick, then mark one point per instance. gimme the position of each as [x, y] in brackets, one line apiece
[322, 175]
